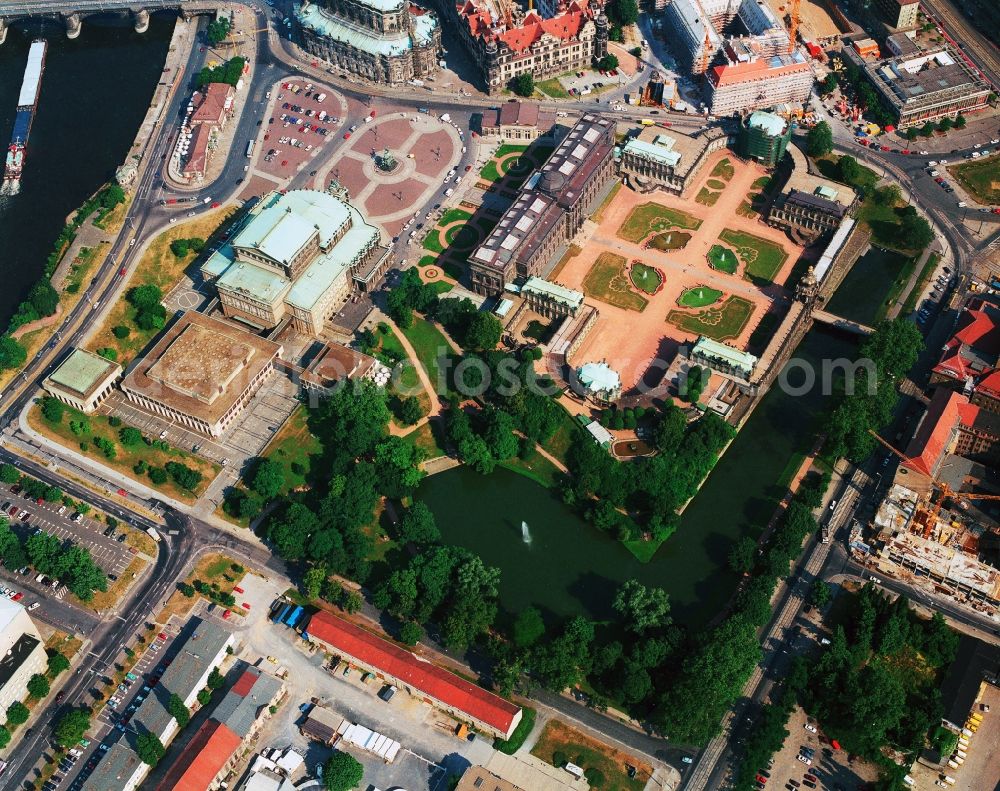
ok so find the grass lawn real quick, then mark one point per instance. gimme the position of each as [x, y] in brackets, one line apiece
[699, 297]
[536, 467]
[723, 259]
[428, 438]
[441, 286]
[589, 753]
[102, 600]
[650, 217]
[762, 183]
[462, 237]
[723, 322]
[453, 215]
[645, 278]
[432, 241]
[981, 179]
[706, 197]
[642, 550]
[294, 447]
[404, 380]
[94, 426]
[608, 282]
[431, 347]
[426, 260]
[162, 268]
[558, 444]
[761, 257]
[213, 568]
[723, 170]
[491, 172]
[715, 184]
[553, 88]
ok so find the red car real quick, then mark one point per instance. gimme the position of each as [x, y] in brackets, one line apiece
[761, 779]
[216, 204]
[122, 493]
[226, 614]
[121, 272]
[245, 606]
[17, 596]
[347, 135]
[162, 636]
[40, 500]
[905, 151]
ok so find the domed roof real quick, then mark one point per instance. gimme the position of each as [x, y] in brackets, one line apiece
[551, 182]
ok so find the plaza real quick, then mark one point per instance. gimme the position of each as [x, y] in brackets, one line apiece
[635, 239]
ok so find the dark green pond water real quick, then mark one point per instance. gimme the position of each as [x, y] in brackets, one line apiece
[570, 568]
[866, 287]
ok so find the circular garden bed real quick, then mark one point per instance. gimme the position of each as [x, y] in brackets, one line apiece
[645, 278]
[723, 259]
[669, 240]
[699, 297]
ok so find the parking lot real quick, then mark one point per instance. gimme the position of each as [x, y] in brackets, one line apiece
[304, 117]
[109, 552]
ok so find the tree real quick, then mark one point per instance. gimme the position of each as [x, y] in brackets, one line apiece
[180, 248]
[409, 410]
[820, 594]
[411, 632]
[623, 12]
[4, 737]
[914, 231]
[17, 713]
[529, 627]
[149, 748]
[523, 84]
[642, 607]
[608, 62]
[9, 473]
[157, 475]
[313, 579]
[928, 129]
[268, 479]
[12, 353]
[342, 772]
[215, 679]
[183, 476]
[960, 122]
[912, 134]
[889, 195]
[53, 409]
[482, 332]
[849, 169]
[204, 697]
[418, 525]
[57, 664]
[71, 727]
[743, 555]
[144, 297]
[38, 686]
[178, 710]
[945, 124]
[121, 331]
[819, 141]
[217, 31]
[44, 298]
[129, 437]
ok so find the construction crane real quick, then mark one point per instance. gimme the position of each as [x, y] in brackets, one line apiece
[793, 24]
[932, 510]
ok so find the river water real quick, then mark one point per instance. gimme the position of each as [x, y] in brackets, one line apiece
[95, 93]
[570, 568]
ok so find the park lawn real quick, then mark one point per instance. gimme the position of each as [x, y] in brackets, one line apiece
[140, 541]
[699, 297]
[645, 278]
[552, 88]
[441, 286]
[430, 345]
[706, 197]
[536, 467]
[490, 171]
[649, 217]
[589, 753]
[980, 178]
[559, 443]
[896, 288]
[723, 259]
[643, 550]
[762, 258]
[294, 447]
[608, 282]
[715, 184]
[214, 568]
[405, 377]
[428, 438]
[926, 273]
[163, 269]
[762, 183]
[723, 322]
[432, 241]
[427, 259]
[723, 170]
[462, 238]
[125, 458]
[453, 215]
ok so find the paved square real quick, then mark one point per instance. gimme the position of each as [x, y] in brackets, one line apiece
[630, 339]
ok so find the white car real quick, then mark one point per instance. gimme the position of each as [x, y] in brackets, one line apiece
[803, 759]
[810, 728]
[32, 606]
[687, 759]
[994, 141]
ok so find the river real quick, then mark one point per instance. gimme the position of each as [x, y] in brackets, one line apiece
[95, 93]
[569, 568]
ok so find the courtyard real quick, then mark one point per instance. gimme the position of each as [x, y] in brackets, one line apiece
[663, 269]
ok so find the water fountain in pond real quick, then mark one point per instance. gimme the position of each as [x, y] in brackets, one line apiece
[525, 533]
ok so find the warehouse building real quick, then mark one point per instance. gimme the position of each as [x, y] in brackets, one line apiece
[450, 693]
[83, 380]
[202, 373]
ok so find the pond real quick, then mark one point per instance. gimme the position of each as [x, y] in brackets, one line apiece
[569, 568]
[867, 287]
[671, 240]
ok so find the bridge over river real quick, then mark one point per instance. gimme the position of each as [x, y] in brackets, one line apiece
[72, 12]
[825, 317]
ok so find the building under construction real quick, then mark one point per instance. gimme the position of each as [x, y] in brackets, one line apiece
[750, 59]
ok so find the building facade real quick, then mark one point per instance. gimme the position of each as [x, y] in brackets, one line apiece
[505, 41]
[741, 85]
[900, 14]
[83, 380]
[22, 653]
[298, 255]
[764, 138]
[202, 373]
[670, 161]
[550, 299]
[386, 41]
[723, 358]
[446, 691]
[550, 209]
[926, 85]
[520, 122]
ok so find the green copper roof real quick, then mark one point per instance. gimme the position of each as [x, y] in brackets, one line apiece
[386, 44]
[282, 227]
[81, 371]
[599, 377]
[259, 282]
[559, 293]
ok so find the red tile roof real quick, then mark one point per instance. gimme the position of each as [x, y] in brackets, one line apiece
[422, 676]
[948, 409]
[202, 759]
[978, 330]
[245, 683]
[989, 384]
[211, 105]
[754, 70]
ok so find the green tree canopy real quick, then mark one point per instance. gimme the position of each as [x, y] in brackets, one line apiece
[342, 772]
[268, 479]
[523, 84]
[12, 353]
[149, 748]
[71, 727]
[642, 607]
[819, 141]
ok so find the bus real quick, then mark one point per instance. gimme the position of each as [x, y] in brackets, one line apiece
[250, 149]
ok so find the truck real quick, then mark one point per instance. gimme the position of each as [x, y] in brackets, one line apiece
[446, 118]
[151, 532]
